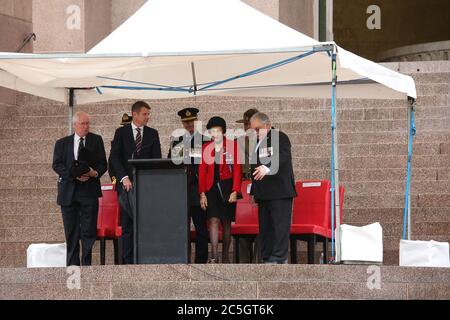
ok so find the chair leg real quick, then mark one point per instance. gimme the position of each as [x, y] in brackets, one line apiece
[250, 249]
[312, 249]
[236, 249]
[189, 251]
[116, 251]
[293, 243]
[102, 251]
[325, 250]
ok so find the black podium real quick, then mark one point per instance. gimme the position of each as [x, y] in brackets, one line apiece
[161, 221]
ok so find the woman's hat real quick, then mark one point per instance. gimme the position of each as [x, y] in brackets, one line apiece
[217, 122]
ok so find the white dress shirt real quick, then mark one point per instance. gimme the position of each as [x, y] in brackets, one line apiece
[134, 127]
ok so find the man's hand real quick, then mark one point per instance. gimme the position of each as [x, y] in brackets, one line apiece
[92, 173]
[83, 178]
[127, 185]
[203, 201]
[233, 197]
[260, 172]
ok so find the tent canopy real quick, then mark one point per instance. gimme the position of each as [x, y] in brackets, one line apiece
[180, 48]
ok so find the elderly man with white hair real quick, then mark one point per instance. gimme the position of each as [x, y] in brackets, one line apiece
[80, 161]
[273, 188]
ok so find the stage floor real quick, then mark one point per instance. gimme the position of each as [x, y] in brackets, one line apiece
[229, 281]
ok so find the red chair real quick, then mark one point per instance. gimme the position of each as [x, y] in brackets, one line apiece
[108, 222]
[246, 224]
[311, 221]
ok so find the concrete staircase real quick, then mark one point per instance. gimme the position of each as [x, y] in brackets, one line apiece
[373, 149]
[225, 282]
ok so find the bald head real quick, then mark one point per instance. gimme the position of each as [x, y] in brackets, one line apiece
[81, 123]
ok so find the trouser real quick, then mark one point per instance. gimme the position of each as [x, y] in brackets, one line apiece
[80, 223]
[201, 242]
[249, 250]
[127, 239]
[274, 228]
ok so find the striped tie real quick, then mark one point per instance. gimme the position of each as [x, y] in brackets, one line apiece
[138, 141]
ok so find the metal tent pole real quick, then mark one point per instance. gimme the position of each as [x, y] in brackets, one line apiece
[71, 105]
[407, 210]
[335, 197]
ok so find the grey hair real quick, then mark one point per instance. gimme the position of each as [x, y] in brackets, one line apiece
[264, 118]
[77, 116]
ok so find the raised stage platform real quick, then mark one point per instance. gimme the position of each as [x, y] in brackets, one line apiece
[227, 282]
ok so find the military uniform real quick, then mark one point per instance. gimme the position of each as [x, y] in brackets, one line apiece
[188, 150]
[274, 195]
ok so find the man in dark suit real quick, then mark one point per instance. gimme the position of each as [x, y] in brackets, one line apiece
[78, 192]
[188, 148]
[126, 119]
[133, 141]
[273, 188]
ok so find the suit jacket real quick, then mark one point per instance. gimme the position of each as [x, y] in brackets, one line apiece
[111, 171]
[124, 148]
[227, 169]
[193, 163]
[63, 158]
[275, 185]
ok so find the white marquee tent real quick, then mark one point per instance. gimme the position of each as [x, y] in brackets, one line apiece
[182, 48]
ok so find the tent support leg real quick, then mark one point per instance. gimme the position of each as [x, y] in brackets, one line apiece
[71, 105]
[407, 210]
[335, 201]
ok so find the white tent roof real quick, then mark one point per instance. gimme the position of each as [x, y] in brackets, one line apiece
[168, 48]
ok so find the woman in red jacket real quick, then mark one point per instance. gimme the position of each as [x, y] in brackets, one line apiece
[220, 176]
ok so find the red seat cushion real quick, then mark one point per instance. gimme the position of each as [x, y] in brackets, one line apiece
[247, 229]
[298, 229]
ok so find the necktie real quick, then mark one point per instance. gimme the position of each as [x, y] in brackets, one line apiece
[138, 141]
[80, 147]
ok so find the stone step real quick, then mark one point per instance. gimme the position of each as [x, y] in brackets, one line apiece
[235, 108]
[238, 104]
[371, 175]
[434, 78]
[21, 145]
[306, 154]
[173, 105]
[387, 214]
[37, 153]
[165, 130]
[20, 228]
[352, 188]
[364, 149]
[373, 162]
[300, 160]
[395, 215]
[352, 201]
[431, 89]
[42, 218]
[27, 206]
[240, 282]
[276, 116]
[33, 172]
